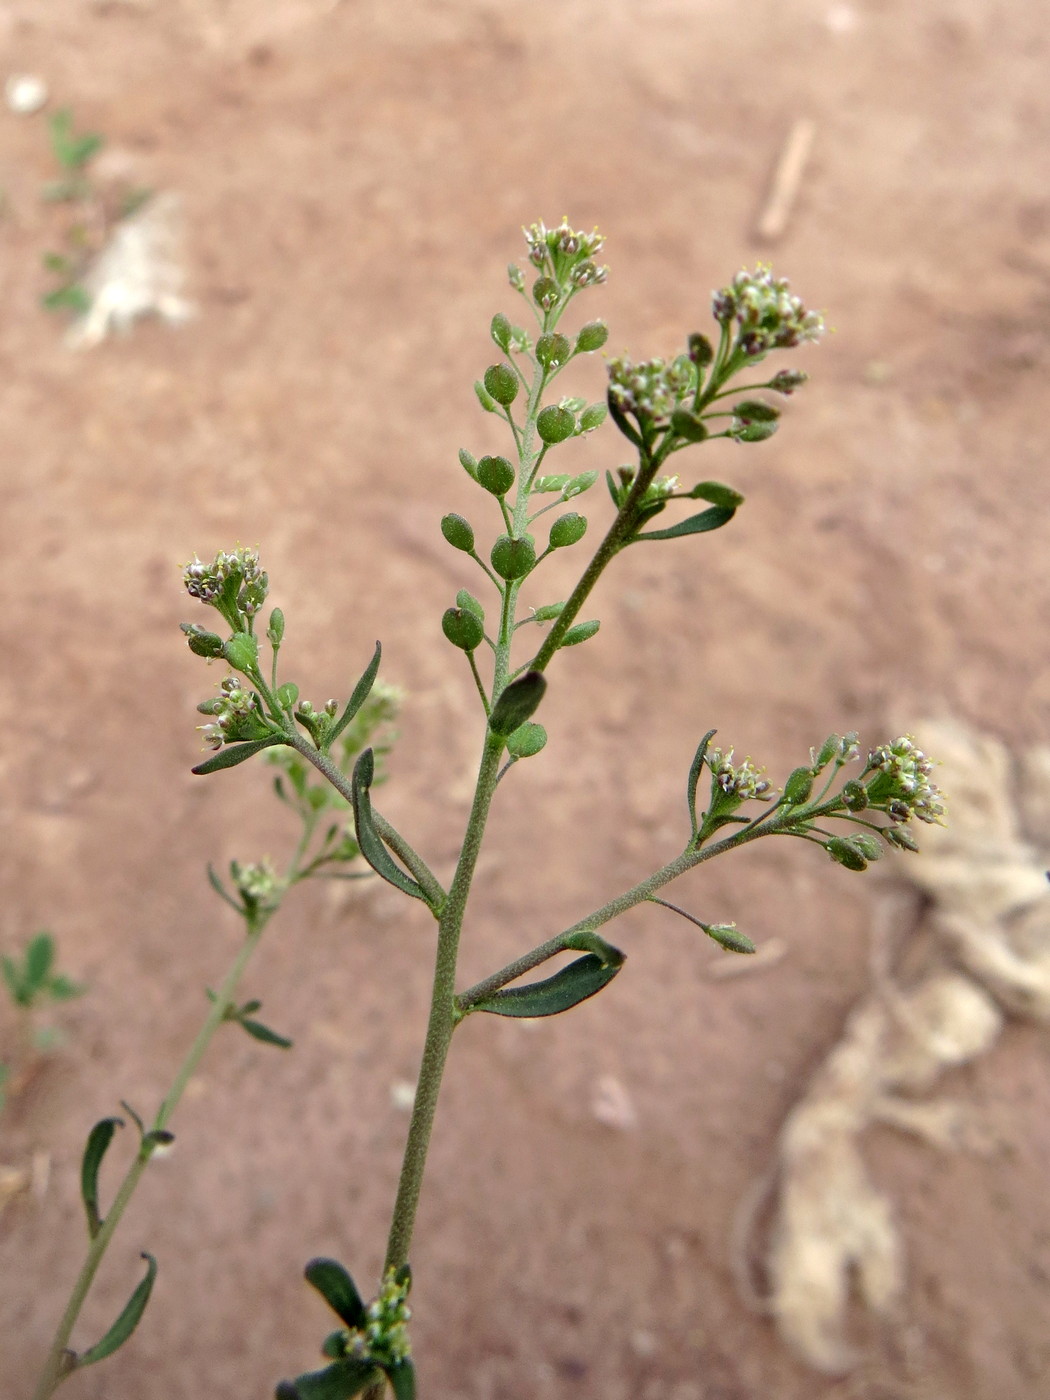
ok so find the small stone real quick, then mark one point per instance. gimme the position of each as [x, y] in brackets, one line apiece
[25, 94]
[611, 1104]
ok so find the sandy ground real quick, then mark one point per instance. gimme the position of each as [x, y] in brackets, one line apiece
[354, 178]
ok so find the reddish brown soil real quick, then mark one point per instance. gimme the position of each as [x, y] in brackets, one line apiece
[354, 177]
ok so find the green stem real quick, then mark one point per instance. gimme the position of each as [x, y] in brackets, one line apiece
[55, 1367]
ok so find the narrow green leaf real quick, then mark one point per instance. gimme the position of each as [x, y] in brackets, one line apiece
[566, 989]
[258, 1031]
[221, 891]
[695, 769]
[361, 692]
[61, 988]
[236, 753]
[368, 838]
[517, 703]
[99, 1138]
[711, 519]
[126, 1323]
[338, 1290]
[39, 956]
[13, 978]
[340, 1381]
[402, 1378]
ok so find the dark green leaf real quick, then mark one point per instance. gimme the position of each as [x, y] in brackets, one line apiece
[362, 690]
[99, 1138]
[368, 838]
[62, 988]
[158, 1137]
[695, 769]
[712, 519]
[340, 1381]
[622, 422]
[338, 1290]
[134, 1117]
[236, 753]
[13, 978]
[220, 889]
[126, 1323]
[258, 1031]
[334, 1345]
[402, 1378]
[567, 988]
[39, 956]
[517, 703]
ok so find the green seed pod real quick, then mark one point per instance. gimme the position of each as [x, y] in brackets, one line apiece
[717, 494]
[555, 424]
[701, 351]
[468, 462]
[545, 292]
[462, 628]
[593, 417]
[828, 750]
[519, 702]
[553, 350]
[242, 651]
[755, 411]
[201, 641]
[845, 852]
[868, 845]
[496, 475]
[458, 532]
[899, 836]
[548, 612]
[287, 695]
[729, 937]
[580, 633]
[486, 400]
[275, 631]
[527, 740]
[753, 432]
[592, 336]
[501, 329]
[465, 599]
[799, 785]
[568, 529]
[512, 559]
[689, 425]
[502, 383]
[855, 795]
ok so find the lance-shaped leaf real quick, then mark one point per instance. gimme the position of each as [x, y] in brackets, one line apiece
[126, 1323]
[236, 753]
[372, 848]
[258, 1031]
[566, 989]
[338, 1290]
[221, 890]
[340, 1381]
[99, 1138]
[712, 519]
[402, 1378]
[361, 692]
[695, 769]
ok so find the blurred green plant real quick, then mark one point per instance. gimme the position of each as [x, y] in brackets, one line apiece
[31, 982]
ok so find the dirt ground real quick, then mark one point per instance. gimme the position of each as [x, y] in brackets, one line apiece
[354, 176]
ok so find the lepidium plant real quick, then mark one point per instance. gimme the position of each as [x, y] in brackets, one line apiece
[839, 800]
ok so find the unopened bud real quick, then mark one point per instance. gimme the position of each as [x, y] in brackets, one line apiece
[275, 631]
[729, 937]
[701, 351]
[855, 796]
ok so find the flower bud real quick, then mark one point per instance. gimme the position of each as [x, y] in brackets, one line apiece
[593, 417]
[527, 740]
[518, 703]
[500, 330]
[516, 277]
[545, 292]
[553, 350]
[592, 336]
[689, 425]
[502, 383]
[786, 381]
[755, 411]
[729, 937]
[798, 786]
[866, 844]
[845, 851]
[855, 796]
[458, 532]
[201, 641]
[512, 559]
[496, 475]
[568, 529]
[701, 351]
[275, 631]
[242, 651]
[554, 424]
[462, 628]
[900, 836]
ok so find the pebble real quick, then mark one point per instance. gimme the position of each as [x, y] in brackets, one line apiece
[25, 93]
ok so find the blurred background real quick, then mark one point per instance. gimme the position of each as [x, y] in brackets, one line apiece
[343, 185]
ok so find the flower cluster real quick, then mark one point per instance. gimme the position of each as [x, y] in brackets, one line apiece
[901, 782]
[234, 715]
[258, 884]
[742, 780]
[384, 1337]
[651, 388]
[564, 254]
[768, 316]
[235, 578]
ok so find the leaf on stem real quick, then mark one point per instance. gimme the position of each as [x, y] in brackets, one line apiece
[340, 1381]
[361, 692]
[402, 1378]
[695, 769]
[517, 703]
[236, 753]
[338, 1290]
[99, 1138]
[258, 1031]
[126, 1323]
[368, 838]
[566, 989]
[712, 519]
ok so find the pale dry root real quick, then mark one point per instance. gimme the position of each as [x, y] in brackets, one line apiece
[987, 932]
